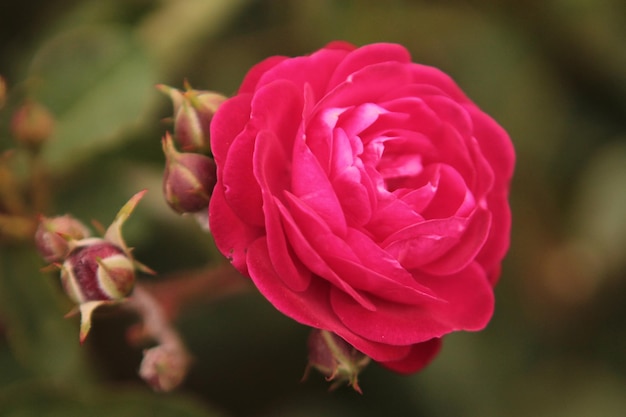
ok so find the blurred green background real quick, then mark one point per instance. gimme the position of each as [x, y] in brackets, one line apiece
[552, 72]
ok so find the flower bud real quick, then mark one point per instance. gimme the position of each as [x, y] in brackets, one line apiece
[335, 358]
[163, 369]
[193, 112]
[53, 235]
[97, 270]
[188, 179]
[32, 124]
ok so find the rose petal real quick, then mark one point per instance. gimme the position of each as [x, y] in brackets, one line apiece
[353, 196]
[469, 245]
[424, 74]
[308, 236]
[311, 307]
[229, 120]
[366, 56]
[250, 82]
[420, 243]
[311, 185]
[269, 155]
[231, 235]
[420, 355]
[314, 70]
[271, 107]
[452, 198]
[367, 85]
[469, 306]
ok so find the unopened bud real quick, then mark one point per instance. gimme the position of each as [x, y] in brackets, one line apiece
[335, 358]
[97, 270]
[164, 369]
[53, 235]
[32, 124]
[193, 112]
[188, 180]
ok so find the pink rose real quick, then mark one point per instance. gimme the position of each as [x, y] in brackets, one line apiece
[365, 195]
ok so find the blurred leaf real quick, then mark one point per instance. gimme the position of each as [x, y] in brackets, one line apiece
[99, 83]
[41, 339]
[178, 27]
[42, 399]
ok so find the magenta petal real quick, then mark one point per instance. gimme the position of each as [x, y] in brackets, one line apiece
[246, 201]
[451, 194]
[465, 251]
[278, 107]
[253, 76]
[495, 144]
[375, 268]
[268, 155]
[392, 215]
[369, 55]
[468, 305]
[311, 307]
[367, 85]
[359, 118]
[423, 74]
[232, 236]
[497, 243]
[311, 185]
[314, 70]
[308, 237]
[354, 198]
[421, 354]
[227, 124]
[422, 243]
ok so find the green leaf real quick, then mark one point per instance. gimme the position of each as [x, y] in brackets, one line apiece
[41, 339]
[98, 83]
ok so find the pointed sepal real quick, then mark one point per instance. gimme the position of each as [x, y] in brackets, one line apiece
[114, 233]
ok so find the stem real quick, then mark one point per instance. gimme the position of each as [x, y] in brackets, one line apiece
[181, 290]
[155, 321]
[164, 366]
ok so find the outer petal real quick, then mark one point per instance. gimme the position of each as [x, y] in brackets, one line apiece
[420, 355]
[468, 305]
[369, 55]
[312, 306]
[231, 235]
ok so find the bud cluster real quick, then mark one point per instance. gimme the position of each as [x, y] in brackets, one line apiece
[94, 271]
[190, 175]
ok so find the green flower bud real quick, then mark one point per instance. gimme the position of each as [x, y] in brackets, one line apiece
[188, 180]
[335, 358]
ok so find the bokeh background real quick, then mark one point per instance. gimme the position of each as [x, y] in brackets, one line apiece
[552, 72]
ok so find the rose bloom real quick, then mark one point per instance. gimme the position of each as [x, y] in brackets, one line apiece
[365, 195]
